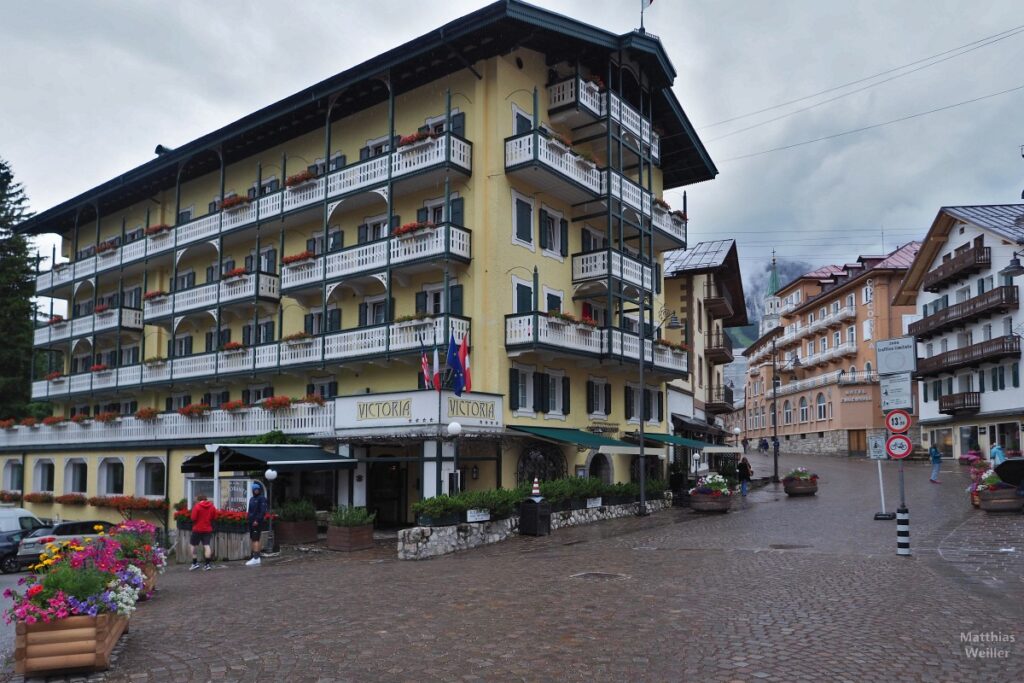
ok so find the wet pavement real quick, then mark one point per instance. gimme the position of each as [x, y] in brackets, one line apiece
[780, 589]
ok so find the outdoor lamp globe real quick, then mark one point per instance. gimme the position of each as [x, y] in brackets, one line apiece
[270, 474]
[454, 429]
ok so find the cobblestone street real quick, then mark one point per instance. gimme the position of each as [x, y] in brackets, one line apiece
[778, 590]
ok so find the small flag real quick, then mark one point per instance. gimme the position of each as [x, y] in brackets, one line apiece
[464, 359]
[455, 366]
[428, 378]
[437, 372]
[646, 3]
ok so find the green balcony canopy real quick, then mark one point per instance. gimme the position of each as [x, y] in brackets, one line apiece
[283, 458]
[580, 438]
[673, 440]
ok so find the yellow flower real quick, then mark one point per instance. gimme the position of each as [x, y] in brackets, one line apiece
[97, 527]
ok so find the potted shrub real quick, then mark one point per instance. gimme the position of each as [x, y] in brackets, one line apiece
[995, 495]
[350, 529]
[711, 494]
[440, 510]
[296, 522]
[800, 482]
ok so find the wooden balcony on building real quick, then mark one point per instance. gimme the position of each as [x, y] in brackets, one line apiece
[998, 300]
[959, 404]
[718, 348]
[717, 300]
[970, 356]
[719, 400]
[960, 266]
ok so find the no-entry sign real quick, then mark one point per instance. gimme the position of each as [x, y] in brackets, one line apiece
[898, 421]
[898, 446]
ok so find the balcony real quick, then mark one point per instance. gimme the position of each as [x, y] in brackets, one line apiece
[840, 315]
[112, 319]
[671, 224]
[536, 331]
[837, 377]
[718, 348]
[717, 301]
[600, 265]
[305, 419]
[970, 356]
[363, 343]
[577, 102]
[965, 402]
[997, 300]
[411, 163]
[372, 257]
[239, 288]
[795, 333]
[957, 268]
[719, 400]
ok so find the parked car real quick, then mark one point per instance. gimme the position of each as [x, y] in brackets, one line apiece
[35, 543]
[18, 519]
[9, 549]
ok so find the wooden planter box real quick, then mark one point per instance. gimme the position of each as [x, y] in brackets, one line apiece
[349, 538]
[226, 545]
[72, 644]
[705, 502]
[293, 533]
[1001, 500]
[800, 487]
[149, 575]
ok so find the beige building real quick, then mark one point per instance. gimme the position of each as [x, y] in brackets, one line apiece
[827, 400]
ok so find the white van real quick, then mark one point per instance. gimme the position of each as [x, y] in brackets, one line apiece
[18, 519]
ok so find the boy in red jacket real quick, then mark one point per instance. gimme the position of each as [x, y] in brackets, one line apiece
[202, 531]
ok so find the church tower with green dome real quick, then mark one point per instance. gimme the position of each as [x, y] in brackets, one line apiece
[772, 303]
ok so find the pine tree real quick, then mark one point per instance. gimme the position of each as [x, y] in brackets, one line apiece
[16, 290]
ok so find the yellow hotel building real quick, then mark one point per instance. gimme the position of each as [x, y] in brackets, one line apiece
[484, 179]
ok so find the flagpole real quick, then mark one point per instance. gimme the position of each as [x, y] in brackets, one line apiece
[643, 6]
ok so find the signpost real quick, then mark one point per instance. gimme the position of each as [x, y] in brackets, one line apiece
[898, 446]
[896, 356]
[896, 391]
[876, 451]
[897, 362]
[897, 422]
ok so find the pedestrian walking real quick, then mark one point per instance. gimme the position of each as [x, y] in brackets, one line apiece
[998, 455]
[203, 514]
[746, 444]
[256, 514]
[762, 446]
[936, 458]
[744, 471]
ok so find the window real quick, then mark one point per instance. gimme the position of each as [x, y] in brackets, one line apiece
[822, 313]
[1007, 326]
[851, 334]
[599, 398]
[177, 401]
[111, 481]
[182, 346]
[851, 300]
[185, 215]
[554, 233]
[787, 413]
[522, 212]
[12, 475]
[76, 476]
[521, 389]
[835, 306]
[553, 300]
[42, 477]
[867, 367]
[523, 301]
[184, 280]
[929, 350]
[867, 294]
[522, 122]
[837, 339]
[868, 329]
[803, 409]
[986, 332]
[324, 387]
[150, 477]
[554, 393]
[820, 403]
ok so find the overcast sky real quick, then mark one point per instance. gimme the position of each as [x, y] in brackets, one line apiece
[88, 89]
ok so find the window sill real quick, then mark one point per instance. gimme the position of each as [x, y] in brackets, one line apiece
[597, 416]
[524, 413]
[516, 242]
[554, 416]
[556, 255]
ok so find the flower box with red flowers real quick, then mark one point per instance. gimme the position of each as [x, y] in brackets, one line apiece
[562, 318]
[99, 367]
[680, 215]
[298, 338]
[194, 410]
[7, 424]
[56, 320]
[417, 137]
[594, 81]
[106, 248]
[128, 502]
[299, 179]
[71, 499]
[232, 406]
[232, 346]
[586, 322]
[38, 497]
[234, 202]
[154, 294]
[10, 496]
[313, 399]
[54, 376]
[107, 416]
[301, 257]
[29, 422]
[146, 414]
[235, 273]
[53, 420]
[276, 403]
[661, 204]
[410, 229]
[102, 308]
[81, 419]
[154, 230]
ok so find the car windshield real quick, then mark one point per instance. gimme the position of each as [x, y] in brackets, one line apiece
[41, 531]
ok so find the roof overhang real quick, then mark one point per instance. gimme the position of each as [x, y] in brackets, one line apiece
[250, 457]
[577, 437]
[934, 240]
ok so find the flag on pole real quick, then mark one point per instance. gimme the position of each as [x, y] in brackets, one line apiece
[428, 377]
[455, 366]
[464, 359]
[437, 371]
[646, 3]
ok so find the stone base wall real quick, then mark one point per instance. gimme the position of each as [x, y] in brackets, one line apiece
[422, 542]
[837, 442]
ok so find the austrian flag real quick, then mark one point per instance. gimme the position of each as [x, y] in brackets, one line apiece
[464, 359]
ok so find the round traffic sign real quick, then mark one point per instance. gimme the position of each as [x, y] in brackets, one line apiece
[897, 421]
[898, 446]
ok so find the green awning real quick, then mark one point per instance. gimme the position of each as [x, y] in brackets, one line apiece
[283, 458]
[580, 438]
[673, 440]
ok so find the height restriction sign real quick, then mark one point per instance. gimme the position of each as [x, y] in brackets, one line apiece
[898, 421]
[898, 446]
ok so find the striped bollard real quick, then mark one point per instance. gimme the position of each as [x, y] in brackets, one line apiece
[902, 531]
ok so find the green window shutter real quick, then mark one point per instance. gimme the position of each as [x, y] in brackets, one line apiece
[608, 398]
[539, 391]
[657, 278]
[554, 303]
[421, 302]
[981, 381]
[457, 211]
[524, 299]
[587, 241]
[949, 386]
[590, 396]
[925, 392]
[1015, 374]
[628, 402]
[542, 226]
[565, 395]
[661, 406]
[646, 408]
[1002, 377]
[995, 380]
[524, 218]
[362, 315]
[981, 286]
[334, 320]
[513, 389]
[564, 236]
[422, 214]
[459, 125]
[455, 299]
[363, 233]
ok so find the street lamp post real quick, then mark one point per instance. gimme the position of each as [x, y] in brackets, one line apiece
[736, 434]
[271, 475]
[673, 324]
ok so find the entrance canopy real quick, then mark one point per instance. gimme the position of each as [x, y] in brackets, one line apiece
[249, 457]
[602, 444]
[673, 440]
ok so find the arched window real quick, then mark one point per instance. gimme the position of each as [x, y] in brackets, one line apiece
[111, 477]
[76, 475]
[853, 370]
[42, 476]
[867, 367]
[820, 401]
[787, 413]
[12, 475]
[150, 477]
[803, 409]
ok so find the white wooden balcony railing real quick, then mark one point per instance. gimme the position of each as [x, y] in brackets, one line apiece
[528, 329]
[128, 318]
[596, 265]
[204, 296]
[403, 161]
[600, 104]
[299, 419]
[835, 377]
[557, 157]
[669, 223]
